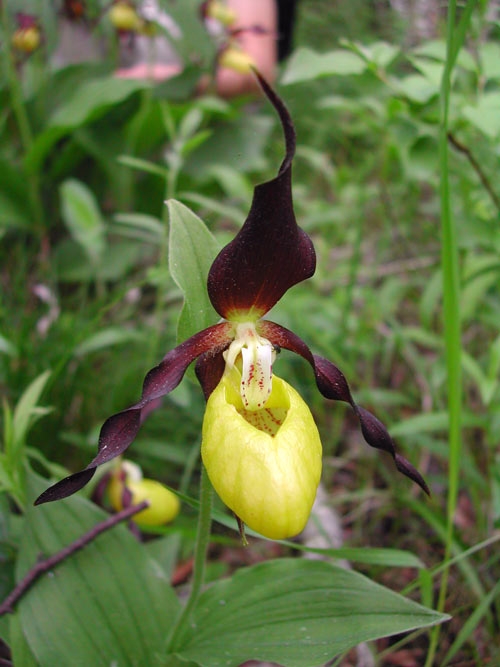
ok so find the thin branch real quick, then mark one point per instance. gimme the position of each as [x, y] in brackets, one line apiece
[32, 575]
[462, 148]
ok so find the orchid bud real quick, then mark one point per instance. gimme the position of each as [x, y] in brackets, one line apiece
[264, 464]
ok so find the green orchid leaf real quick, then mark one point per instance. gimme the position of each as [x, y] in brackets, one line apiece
[21, 652]
[108, 337]
[93, 98]
[238, 144]
[370, 556]
[86, 103]
[27, 410]
[489, 56]
[485, 115]
[306, 65]
[72, 263]
[109, 603]
[417, 88]
[192, 249]
[191, 40]
[7, 347]
[294, 612]
[14, 205]
[430, 422]
[83, 218]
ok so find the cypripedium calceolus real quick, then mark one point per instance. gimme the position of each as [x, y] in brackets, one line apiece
[260, 446]
[27, 36]
[127, 486]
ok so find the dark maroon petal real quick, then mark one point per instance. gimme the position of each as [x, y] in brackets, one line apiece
[405, 467]
[66, 487]
[331, 381]
[333, 385]
[270, 253]
[285, 338]
[209, 371]
[376, 435]
[167, 375]
[150, 407]
[119, 431]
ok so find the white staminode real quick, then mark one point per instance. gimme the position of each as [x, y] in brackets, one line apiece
[133, 472]
[257, 356]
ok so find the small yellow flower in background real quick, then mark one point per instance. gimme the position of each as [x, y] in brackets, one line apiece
[219, 11]
[124, 17]
[27, 37]
[128, 487]
[233, 57]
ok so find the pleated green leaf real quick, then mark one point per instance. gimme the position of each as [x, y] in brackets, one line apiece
[83, 218]
[306, 65]
[20, 650]
[192, 249]
[87, 102]
[108, 604]
[297, 613]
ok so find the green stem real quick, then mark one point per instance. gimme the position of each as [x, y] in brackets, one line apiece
[200, 552]
[451, 302]
[25, 133]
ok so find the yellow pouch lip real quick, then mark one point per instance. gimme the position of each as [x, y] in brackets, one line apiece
[268, 481]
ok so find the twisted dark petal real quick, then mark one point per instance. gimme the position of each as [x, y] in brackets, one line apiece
[167, 375]
[270, 253]
[119, 431]
[376, 435]
[66, 487]
[333, 385]
[373, 430]
[150, 407]
[405, 467]
[209, 370]
[285, 338]
[331, 381]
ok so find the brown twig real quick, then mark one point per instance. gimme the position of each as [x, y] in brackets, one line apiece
[42, 566]
[462, 148]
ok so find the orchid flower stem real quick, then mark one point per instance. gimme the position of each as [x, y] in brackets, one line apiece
[23, 123]
[200, 553]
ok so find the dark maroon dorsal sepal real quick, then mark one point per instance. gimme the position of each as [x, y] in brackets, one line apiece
[270, 253]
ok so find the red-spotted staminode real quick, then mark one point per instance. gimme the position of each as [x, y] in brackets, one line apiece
[260, 445]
